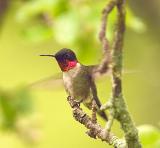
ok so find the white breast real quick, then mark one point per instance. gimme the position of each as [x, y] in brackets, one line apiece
[68, 76]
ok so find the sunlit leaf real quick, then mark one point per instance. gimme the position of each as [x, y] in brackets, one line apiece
[150, 136]
[66, 28]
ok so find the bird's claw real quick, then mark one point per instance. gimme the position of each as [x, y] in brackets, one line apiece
[79, 102]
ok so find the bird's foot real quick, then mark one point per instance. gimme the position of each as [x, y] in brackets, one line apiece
[73, 102]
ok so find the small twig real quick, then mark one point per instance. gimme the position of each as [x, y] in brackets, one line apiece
[109, 123]
[84, 119]
[105, 12]
[107, 105]
[105, 64]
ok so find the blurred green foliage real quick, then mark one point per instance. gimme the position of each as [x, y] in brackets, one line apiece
[59, 19]
[14, 103]
[150, 136]
[34, 27]
[16, 107]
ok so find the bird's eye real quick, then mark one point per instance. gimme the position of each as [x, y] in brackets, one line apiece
[66, 56]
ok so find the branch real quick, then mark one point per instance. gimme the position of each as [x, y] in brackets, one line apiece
[84, 119]
[104, 66]
[119, 106]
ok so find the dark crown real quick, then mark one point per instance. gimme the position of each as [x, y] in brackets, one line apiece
[65, 54]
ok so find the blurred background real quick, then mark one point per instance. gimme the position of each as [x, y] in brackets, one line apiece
[40, 117]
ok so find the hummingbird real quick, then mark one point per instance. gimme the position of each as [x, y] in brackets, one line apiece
[78, 79]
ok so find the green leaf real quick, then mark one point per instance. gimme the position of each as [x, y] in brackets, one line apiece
[66, 28]
[8, 111]
[22, 100]
[14, 104]
[150, 136]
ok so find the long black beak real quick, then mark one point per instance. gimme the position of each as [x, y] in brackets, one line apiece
[48, 55]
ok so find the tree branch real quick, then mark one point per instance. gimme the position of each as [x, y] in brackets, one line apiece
[104, 66]
[116, 105]
[84, 119]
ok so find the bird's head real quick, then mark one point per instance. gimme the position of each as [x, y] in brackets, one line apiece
[66, 59]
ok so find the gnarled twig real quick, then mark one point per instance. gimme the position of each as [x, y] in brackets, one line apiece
[104, 66]
[84, 119]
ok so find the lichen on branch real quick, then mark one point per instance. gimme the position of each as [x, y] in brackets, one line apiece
[119, 106]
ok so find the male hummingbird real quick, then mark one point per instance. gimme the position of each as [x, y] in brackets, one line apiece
[78, 79]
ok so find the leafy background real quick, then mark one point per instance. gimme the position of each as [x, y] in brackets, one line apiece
[41, 117]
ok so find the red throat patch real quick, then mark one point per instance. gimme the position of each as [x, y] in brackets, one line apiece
[69, 65]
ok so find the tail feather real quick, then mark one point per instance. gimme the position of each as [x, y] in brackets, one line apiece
[103, 115]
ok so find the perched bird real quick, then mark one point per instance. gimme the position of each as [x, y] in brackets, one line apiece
[78, 79]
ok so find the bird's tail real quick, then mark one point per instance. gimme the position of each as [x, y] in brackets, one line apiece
[103, 115]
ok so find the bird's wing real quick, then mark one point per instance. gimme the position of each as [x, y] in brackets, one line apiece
[96, 75]
[48, 83]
